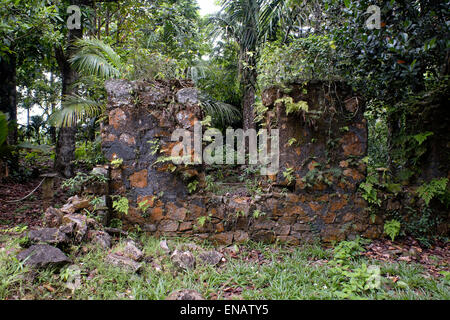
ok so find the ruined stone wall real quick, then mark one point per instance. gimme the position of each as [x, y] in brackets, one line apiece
[321, 202]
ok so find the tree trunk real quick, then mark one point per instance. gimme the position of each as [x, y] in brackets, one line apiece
[248, 76]
[8, 94]
[65, 145]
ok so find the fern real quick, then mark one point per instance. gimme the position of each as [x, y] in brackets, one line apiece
[436, 187]
[121, 205]
[392, 228]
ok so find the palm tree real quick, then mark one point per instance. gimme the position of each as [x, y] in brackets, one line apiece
[249, 22]
[94, 58]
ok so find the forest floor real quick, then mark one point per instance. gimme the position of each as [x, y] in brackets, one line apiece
[248, 271]
[403, 269]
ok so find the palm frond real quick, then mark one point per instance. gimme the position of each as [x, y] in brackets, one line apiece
[94, 57]
[222, 114]
[75, 108]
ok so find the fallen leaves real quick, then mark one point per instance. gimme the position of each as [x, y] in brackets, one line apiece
[435, 259]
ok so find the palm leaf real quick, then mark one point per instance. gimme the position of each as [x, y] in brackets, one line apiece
[222, 114]
[94, 57]
[75, 108]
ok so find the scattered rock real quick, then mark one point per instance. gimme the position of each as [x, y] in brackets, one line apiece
[185, 294]
[43, 255]
[74, 204]
[101, 238]
[53, 217]
[164, 246]
[132, 251]
[123, 262]
[79, 222]
[47, 235]
[183, 260]
[116, 232]
[212, 257]
[74, 280]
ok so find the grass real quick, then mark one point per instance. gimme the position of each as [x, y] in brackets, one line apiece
[280, 272]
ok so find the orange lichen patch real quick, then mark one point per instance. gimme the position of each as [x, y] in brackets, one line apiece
[139, 179]
[185, 226]
[352, 145]
[315, 206]
[293, 210]
[157, 214]
[329, 218]
[134, 217]
[242, 200]
[219, 227]
[167, 148]
[343, 164]
[338, 205]
[312, 165]
[148, 200]
[354, 174]
[117, 118]
[320, 186]
[108, 137]
[325, 197]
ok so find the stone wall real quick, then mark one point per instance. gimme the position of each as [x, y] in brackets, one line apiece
[326, 161]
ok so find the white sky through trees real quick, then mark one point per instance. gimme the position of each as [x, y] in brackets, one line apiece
[208, 6]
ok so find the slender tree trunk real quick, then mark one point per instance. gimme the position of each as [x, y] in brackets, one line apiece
[8, 94]
[52, 129]
[248, 82]
[65, 145]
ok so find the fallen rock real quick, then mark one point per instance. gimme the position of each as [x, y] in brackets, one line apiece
[73, 282]
[43, 255]
[100, 237]
[116, 232]
[132, 251]
[211, 257]
[74, 204]
[47, 235]
[53, 217]
[79, 224]
[123, 262]
[185, 294]
[183, 260]
[163, 245]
